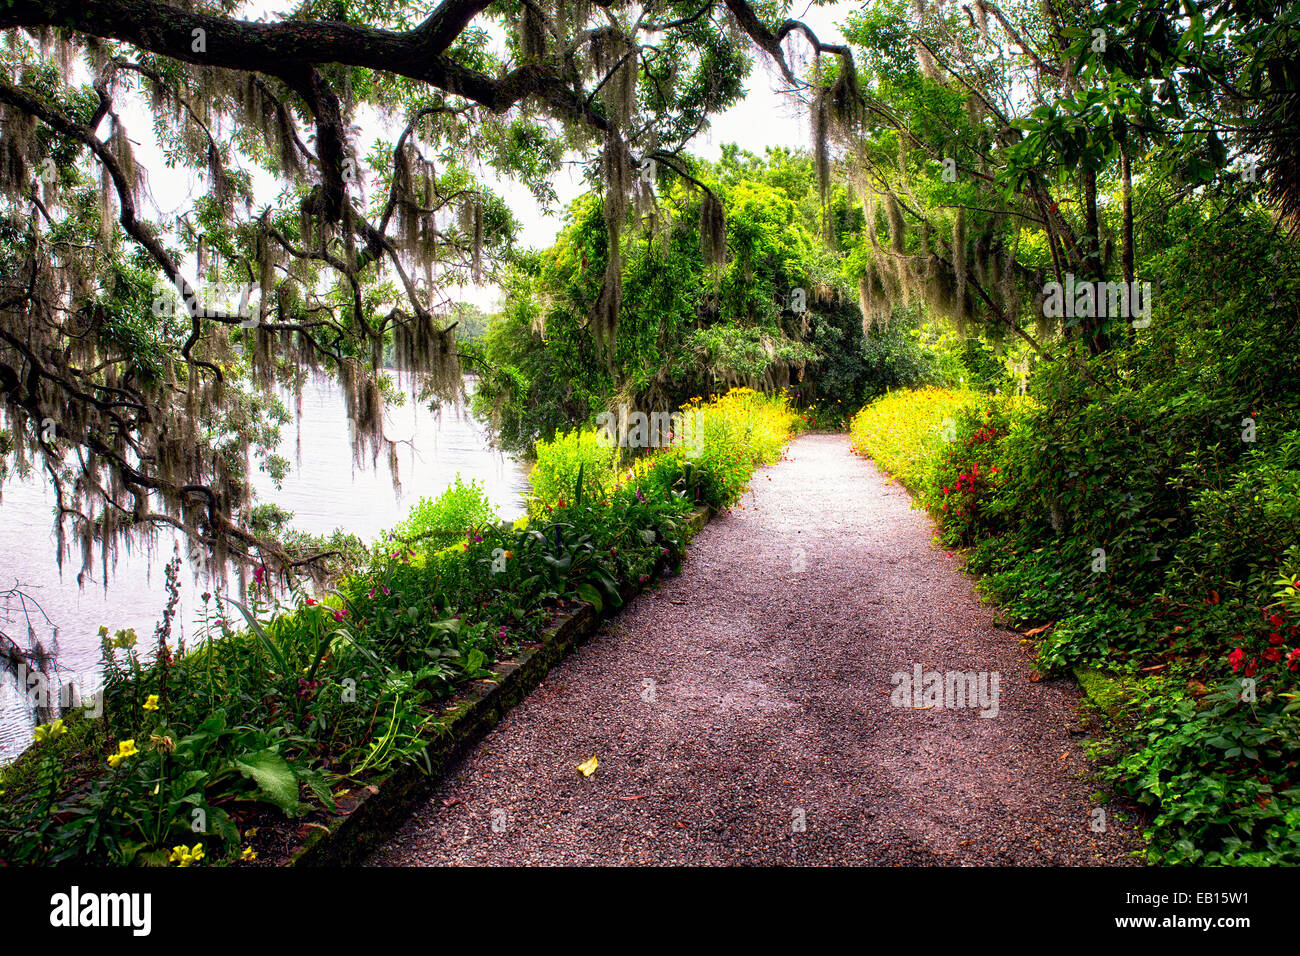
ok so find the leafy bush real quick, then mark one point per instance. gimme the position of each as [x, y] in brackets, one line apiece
[445, 520]
[903, 431]
[734, 434]
[560, 462]
[967, 472]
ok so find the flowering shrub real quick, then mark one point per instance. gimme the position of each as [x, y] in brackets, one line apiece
[960, 487]
[743, 429]
[1219, 764]
[445, 520]
[903, 431]
[559, 463]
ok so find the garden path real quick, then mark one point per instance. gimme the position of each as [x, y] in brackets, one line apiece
[741, 712]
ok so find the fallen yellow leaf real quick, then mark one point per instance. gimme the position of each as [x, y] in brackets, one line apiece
[588, 767]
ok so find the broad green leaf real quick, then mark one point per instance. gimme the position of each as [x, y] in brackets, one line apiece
[273, 776]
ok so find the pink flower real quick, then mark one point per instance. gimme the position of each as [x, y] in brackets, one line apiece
[339, 614]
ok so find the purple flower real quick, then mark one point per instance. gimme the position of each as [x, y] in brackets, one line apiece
[640, 497]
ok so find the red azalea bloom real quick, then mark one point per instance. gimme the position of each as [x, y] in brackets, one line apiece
[1252, 667]
[1273, 654]
[1275, 620]
[1293, 659]
[1235, 659]
[1275, 638]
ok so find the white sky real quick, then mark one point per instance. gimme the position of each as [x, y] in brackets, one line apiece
[765, 117]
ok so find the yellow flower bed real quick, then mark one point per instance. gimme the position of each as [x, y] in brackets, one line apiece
[902, 431]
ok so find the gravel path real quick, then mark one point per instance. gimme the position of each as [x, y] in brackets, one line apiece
[741, 713]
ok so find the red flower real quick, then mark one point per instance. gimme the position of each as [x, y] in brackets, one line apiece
[1275, 620]
[1293, 659]
[1273, 654]
[1252, 667]
[1235, 659]
[311, 602]
[1275, 638]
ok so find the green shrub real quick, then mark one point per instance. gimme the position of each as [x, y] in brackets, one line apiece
[559, 462]
[445, 520]
[903, 431]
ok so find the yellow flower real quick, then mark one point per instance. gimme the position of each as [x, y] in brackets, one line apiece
[249, 854]
[151, 702]
[49, 731]
[185, 856]
[124, 749]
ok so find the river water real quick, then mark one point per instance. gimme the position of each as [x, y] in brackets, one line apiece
[324, 490]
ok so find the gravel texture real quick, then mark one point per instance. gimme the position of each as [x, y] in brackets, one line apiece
[751, 695]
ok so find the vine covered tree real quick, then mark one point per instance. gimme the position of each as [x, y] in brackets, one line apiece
[132, 374]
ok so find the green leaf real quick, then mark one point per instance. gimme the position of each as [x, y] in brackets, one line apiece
[589, 593]
[262, 636]
[273, 776]
[316, 782]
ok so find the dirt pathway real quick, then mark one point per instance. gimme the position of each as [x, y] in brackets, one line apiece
[742, 713]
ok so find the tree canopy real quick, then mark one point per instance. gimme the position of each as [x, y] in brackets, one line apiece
[138, 355]
[148, 408]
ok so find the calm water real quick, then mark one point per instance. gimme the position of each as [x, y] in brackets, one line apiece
[324, 491]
